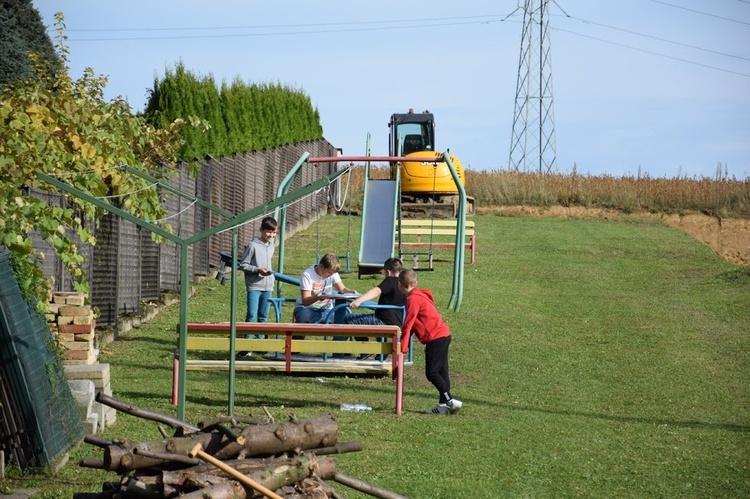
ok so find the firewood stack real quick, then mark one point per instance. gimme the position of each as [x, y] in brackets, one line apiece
[233, 457]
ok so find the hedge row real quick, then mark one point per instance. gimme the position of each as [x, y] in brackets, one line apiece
[242, 117]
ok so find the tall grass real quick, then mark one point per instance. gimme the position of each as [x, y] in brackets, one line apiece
[721, 196]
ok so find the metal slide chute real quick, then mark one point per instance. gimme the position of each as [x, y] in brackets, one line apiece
[378, 225]
[379, 212]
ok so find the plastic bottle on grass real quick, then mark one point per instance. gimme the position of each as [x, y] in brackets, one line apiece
[355, 408]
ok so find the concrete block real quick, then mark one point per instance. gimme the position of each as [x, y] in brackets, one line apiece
[94, 371]
[110, 417]
[91, 424]
[107, 415]
[83, 392]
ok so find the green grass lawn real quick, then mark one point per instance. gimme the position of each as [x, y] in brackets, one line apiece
[594, 358]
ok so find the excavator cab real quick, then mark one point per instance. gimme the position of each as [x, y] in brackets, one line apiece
[412, 131]
[426, 187]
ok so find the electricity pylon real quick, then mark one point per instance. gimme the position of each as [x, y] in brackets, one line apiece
[532, 143]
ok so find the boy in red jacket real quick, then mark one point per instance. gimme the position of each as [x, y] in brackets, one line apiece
[423, 319]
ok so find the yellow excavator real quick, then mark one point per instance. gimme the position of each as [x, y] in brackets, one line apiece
[427, 189]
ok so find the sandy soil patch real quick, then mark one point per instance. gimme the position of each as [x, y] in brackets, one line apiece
[728, 237]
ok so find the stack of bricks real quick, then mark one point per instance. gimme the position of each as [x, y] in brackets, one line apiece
[72, 324]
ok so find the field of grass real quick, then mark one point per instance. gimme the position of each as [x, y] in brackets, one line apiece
[719, 196]
[594, 359]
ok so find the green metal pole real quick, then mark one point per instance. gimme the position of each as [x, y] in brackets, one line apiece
[184, 293]
[233, 320]
[459, 251]
[280, 213]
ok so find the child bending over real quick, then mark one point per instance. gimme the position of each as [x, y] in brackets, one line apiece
[423, 319]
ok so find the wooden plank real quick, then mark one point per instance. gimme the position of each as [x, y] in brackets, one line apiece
[434, 245]
[222, 344]
[301, 346]
[414, 222]
[426, 231]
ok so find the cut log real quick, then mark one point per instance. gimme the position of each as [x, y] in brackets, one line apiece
[273, 439]
[298, 468]
[167, 457]
[245, 480]
[228, 490]
[261, 440]
[200, 471]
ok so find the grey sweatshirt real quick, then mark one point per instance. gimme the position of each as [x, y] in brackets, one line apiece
[257, 254]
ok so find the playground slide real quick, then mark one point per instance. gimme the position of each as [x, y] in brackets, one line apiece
[378, 225]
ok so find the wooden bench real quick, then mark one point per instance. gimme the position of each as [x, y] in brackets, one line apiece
[426, 231]
[280, 338]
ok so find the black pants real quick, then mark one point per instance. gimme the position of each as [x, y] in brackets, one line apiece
[436, 366]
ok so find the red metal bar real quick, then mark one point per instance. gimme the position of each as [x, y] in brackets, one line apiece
[399, 384]
[363, 159]
[175, 375]
[316, 329]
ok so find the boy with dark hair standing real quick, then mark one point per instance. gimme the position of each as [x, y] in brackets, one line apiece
[256, 264]
[423, 319]
[259, 278]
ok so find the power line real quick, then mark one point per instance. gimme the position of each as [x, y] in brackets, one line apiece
[310, 32]
[277, 26]
[701, 12]
[654, 53]
[586, 21]
[433, 22]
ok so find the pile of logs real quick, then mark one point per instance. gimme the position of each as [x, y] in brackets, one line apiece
[233, 457]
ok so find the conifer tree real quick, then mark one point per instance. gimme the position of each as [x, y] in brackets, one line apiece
[22, 31]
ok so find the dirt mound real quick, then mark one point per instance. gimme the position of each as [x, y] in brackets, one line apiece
[728, 237]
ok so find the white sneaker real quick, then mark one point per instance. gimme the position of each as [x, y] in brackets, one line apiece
[454, 405]
[438, 409]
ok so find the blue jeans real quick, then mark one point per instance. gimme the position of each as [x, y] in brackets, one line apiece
[309, 315]
[258, 306]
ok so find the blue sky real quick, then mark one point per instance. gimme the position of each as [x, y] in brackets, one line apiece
[660, 87]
